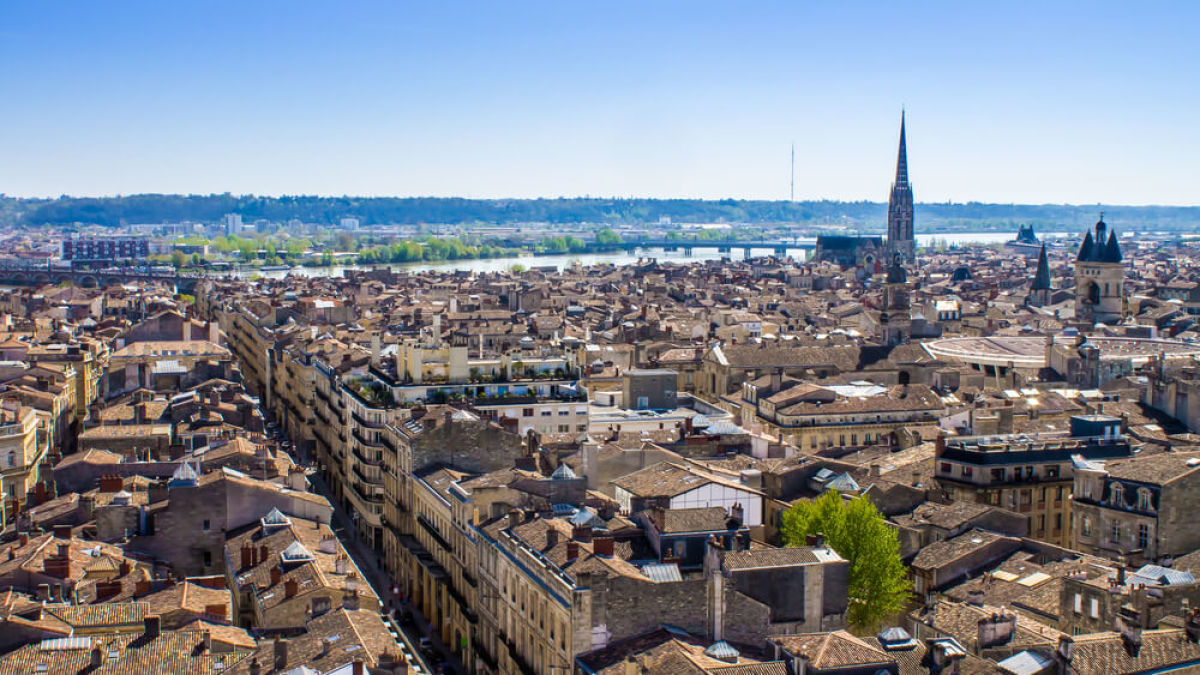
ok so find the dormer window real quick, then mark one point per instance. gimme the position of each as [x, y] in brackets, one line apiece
[1117, 495]
[1144, 499]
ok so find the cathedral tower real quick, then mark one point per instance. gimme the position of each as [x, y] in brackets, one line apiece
[900, 208]
[1100, 277]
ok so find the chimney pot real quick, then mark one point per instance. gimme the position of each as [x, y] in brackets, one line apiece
[603, 545]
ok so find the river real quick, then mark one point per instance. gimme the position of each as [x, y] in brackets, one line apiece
[699, 253]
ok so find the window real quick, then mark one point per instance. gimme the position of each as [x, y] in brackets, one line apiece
[547, 413]
[1116, 531]
[1042, 523]
[564, 428]
[207, 558]
[1079, 603]
[204, 526]
[1052, 471]
[1086, 526]
[1143, 536]
[1144, 500]
[945, 465]
[1117, 496]
[1058, 522]
[966, 472]
[1018, 473]
[12, 458]
[527, 412]
[998, 475]
[1095, 608]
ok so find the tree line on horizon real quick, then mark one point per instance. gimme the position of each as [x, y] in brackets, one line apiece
[159, 208]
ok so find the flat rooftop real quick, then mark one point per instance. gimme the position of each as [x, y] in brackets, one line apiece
[1030, 351]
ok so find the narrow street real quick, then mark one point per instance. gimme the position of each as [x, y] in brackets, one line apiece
[408, 620]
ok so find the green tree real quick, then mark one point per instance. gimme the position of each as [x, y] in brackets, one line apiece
[879, 585]
[178, 259]
[606, 237]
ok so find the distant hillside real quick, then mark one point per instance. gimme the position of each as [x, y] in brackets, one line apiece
[153, 208]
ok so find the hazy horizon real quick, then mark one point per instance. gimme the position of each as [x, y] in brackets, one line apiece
[1074, 104]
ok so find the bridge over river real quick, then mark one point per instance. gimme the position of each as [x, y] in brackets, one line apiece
[24, 273]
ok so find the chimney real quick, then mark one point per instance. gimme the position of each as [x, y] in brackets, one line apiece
[123, 569]
[276, 575]
[551, 536]
[62, 531]
[572, 550]
[97, 658]
[876, 471]
[247, 556]
[216, 611]
[255, 669]
[939, 445]
[111, 484]
[1062, 655]
[602, 544]
[996, 629]
[1130, 628]
[141, 588]
[975, 598]
[107, 589]
[816, 540]
[290, 587]
[263, 553]
[514, 517]
[356, 667]
[582, 533]
[281, 654]
[153, 626]
[1192, 626]
[737, 512]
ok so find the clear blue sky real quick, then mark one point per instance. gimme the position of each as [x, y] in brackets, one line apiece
[1007, 102]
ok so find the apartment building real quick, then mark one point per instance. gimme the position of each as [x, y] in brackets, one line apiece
[22, 451]
[1029, 474]
[1143, 509]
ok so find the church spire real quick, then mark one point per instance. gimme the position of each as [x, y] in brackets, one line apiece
[902, 156]
[900, 237]
[1041, 278]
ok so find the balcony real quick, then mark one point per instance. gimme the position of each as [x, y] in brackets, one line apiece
[321, 416]
[364, 422]
[433, 532]
[374, 500]
[364, 459]
[362, 438]
[368, 480]
[387, 442]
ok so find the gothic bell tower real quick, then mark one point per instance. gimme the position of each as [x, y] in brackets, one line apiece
[900, 238]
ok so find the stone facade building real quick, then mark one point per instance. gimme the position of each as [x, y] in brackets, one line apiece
[1144, 509]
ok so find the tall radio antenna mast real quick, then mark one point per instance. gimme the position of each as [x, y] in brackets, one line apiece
[792, 188]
